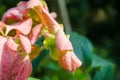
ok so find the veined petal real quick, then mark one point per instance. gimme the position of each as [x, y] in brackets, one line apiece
[22, 6]
[25, 42]
[7, 59]
[35, 33]
[2, 42]
[76, 63]
[64, 60]
[25, 70]
[13, 63]
[12, 14]
[69, 61]
[24, 27]
[16, 13]
[62, 42]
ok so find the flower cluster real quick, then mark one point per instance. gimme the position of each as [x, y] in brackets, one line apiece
[20, 28]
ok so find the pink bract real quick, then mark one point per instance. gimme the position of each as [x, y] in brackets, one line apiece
[24, 27]
[66, 56]
[13, 66]
[35, 33]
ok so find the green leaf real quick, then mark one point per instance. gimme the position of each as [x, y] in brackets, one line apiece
[31, 78]
[99, 62]
[104, 69]
[105, 73]
[53, 53]
[82, 47]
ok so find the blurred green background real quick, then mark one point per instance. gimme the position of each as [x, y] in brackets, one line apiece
[99, 22]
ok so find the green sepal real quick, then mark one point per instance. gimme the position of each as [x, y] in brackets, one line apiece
[49, 43]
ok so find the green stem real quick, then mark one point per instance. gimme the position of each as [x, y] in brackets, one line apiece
[87, 74]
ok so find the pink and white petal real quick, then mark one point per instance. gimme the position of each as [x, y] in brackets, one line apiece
[7, 60]
[22, 6]
[35, 33]
[12, 45]
[24, 27]
[62, 42]
[69, 61]
[76, 63]
[16, 13]
[64, 60]
[13, 63]
[25, 70]
[2, 42]
[25, 42]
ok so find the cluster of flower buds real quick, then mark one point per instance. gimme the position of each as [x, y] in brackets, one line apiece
[20, 28]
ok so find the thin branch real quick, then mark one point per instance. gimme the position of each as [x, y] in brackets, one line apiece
[64, 14]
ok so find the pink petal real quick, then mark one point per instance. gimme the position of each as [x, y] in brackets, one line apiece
[25, 70]
[13, 64]
[22, 6]
[69, 61]
[12, 14]
[62, 42]
[52, 25]
[35, 33]
[23, 27]
[13, 44]
[76, 63]
[8, 57]
[2, 42]
[16, 13]
[25, 42]
[53, 14]
[64, 60]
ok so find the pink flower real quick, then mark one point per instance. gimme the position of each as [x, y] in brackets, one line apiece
[13, 65]
[16, 14]
[14, 57]
[66, 56]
